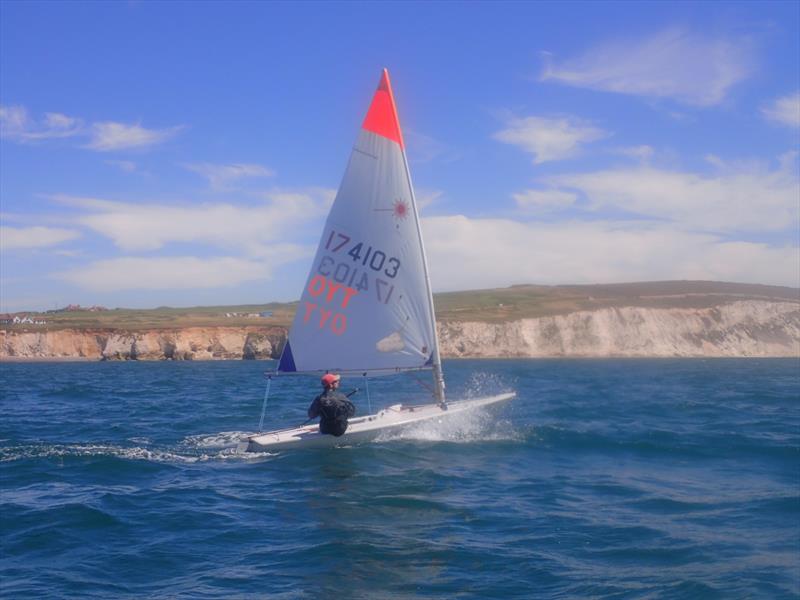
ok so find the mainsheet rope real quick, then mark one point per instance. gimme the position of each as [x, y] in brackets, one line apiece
[424, 385]
[264, 406]
[366, 386]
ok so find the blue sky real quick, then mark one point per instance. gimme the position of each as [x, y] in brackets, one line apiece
[186, 153]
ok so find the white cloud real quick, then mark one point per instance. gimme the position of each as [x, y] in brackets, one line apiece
[171, 273]
[13, 119]
[256, 236]
[221, 176]
[784, 110]
[23, 301]
[125, 165]
[715, 161]
[679, 226]
[108, 136]
[69, 253]
[544, 200]
[423, 148]
[549, 138]
[59, 122]
[674, 63]
[426, 197]
[641, 153]
[252, 229]
[739, 198]
[474, 253]
[34, 237]
[17, 125]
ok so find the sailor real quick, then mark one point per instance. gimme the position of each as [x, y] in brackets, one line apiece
[332, 407]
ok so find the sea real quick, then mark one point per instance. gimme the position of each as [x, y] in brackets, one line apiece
[613, 478]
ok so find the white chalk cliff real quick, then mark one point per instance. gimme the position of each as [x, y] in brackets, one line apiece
[193, 343]
[747, 328]
[744, 328]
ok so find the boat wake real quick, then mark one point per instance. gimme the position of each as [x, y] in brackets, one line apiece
[224, 446]
[221, 440]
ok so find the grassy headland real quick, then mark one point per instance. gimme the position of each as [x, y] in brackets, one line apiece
[492, 305]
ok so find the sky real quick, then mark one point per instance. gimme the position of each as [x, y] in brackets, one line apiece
[183, 154]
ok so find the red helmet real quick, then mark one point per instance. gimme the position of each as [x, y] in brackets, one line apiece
[329, 379]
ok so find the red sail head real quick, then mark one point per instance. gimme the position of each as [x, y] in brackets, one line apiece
[382, 114]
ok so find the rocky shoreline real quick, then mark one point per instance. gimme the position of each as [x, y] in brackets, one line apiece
[748, 328]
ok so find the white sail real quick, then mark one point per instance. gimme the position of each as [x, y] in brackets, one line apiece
[366, 305]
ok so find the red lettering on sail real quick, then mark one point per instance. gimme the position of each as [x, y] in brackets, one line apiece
[348, 293]
[324, 316]
[310, 306]
[320, 284]
[333, 287]
[339, 323]
[316, 286]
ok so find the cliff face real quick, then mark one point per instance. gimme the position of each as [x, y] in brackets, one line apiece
[194, 343]
[746, 328]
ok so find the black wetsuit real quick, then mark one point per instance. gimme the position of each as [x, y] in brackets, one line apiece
[333, 409]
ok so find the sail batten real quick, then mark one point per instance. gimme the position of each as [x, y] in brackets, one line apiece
[367, 298]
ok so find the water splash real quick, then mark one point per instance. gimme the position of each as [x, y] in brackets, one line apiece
[466, 427]
[484, 383]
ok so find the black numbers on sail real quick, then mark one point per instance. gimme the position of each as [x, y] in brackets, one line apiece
[341, 240]
[355, 251]
[366, 256]
[394, 264]
[384, 289]
[343, 273]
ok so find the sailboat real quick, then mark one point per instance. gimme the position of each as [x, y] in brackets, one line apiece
[367, 307]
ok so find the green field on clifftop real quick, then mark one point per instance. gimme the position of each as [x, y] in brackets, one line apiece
[493, 305]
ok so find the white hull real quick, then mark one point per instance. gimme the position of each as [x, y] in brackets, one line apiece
[363, 429]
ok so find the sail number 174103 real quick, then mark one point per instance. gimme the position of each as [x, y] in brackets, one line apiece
[361, 253]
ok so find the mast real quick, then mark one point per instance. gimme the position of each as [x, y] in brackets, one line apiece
[438, 375]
